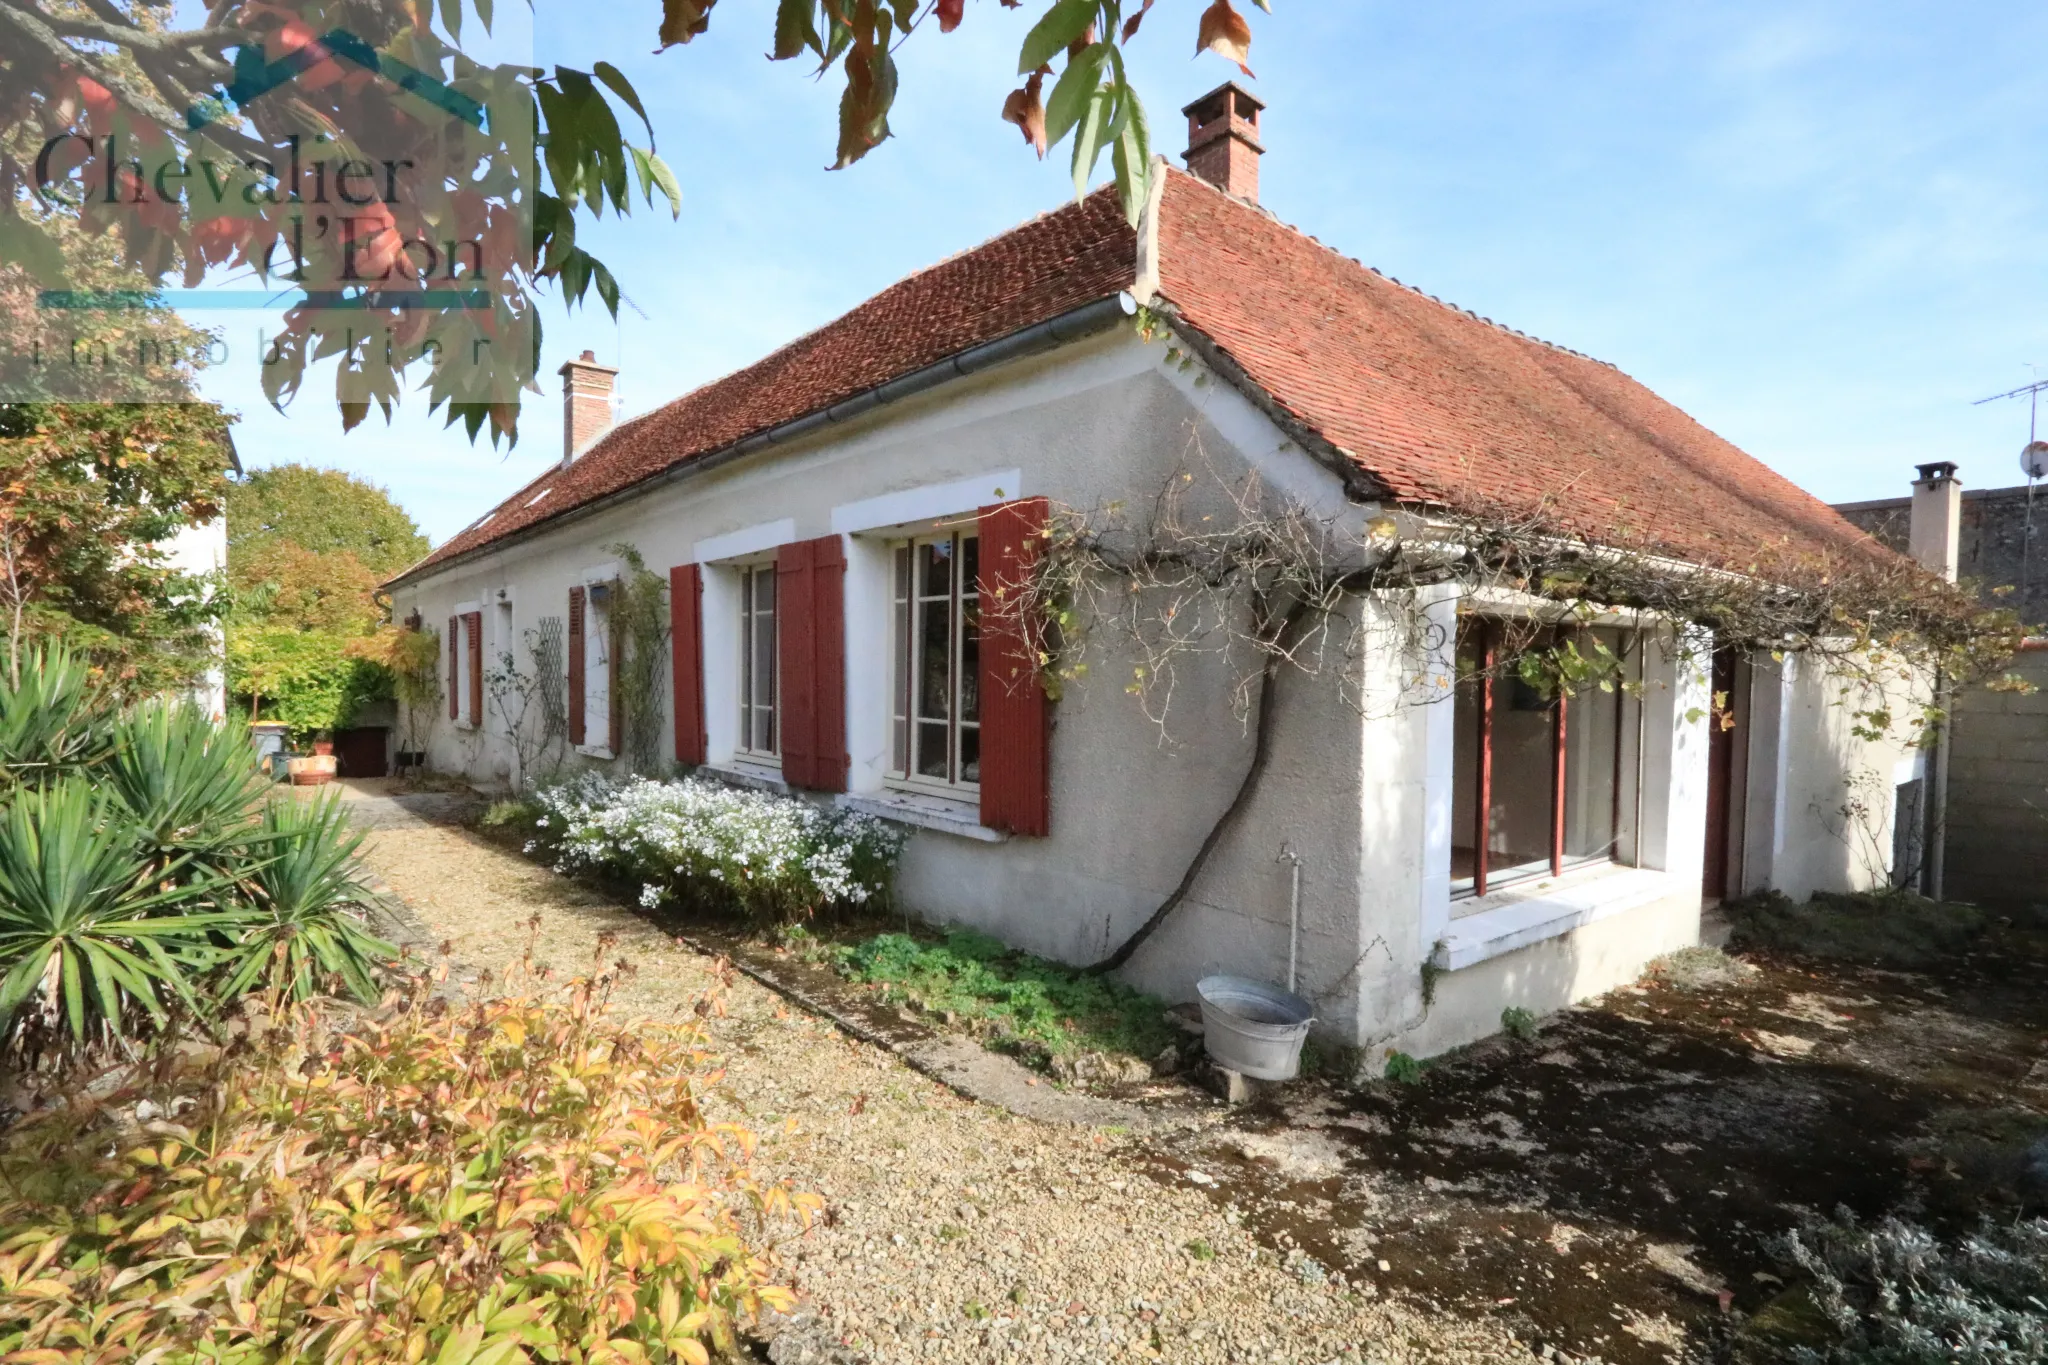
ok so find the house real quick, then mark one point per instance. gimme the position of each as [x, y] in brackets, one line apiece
[835, 519]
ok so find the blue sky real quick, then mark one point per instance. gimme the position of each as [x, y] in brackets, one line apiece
[1814, 226]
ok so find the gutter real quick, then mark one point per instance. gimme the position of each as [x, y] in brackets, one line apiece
[1054, 332]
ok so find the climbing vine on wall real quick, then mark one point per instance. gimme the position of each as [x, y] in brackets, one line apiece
[640, 629]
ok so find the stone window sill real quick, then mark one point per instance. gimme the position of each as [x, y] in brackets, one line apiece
[595, 751]
[947, 815]
[1535, 911]
[748, 775]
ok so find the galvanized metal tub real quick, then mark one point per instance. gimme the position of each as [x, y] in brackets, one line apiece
[1252, 1028]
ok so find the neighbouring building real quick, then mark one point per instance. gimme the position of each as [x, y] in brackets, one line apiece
[1993, 840]
[831, 519]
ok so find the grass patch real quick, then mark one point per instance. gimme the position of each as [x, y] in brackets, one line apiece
[518, 814]
[1697, 968]
[1008, 996]
[1201, 1250]
[1891, 929]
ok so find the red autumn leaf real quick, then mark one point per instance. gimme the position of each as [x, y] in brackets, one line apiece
[1225, 33]
[950, 13]
[1024, 109]
[1131, 24]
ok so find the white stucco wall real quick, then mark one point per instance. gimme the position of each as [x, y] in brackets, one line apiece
[202, 550]
[1820, 798]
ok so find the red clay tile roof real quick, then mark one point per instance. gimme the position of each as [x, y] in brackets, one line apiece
[1445, 408]
[1049, 266]
[1436, 405]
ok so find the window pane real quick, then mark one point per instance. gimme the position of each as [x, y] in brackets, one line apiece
[936, 571]
[970, 564]
[1523, 781]
[970, 753]
[931, 749]
[1593, 750]
[746, 659]
[934, 650]
[970, 661]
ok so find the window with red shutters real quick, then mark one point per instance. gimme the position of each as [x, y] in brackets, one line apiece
[473, 625]
[576, 664]
[810, 592]
[1016, 719]
[455, 668]
[686, 640]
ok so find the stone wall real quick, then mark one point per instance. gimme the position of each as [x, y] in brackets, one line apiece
[1998, 792]
[1994, 550]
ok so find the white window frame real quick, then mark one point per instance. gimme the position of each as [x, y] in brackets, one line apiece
[599, 582]
[463, 611]
[747, 620]
[905, 646]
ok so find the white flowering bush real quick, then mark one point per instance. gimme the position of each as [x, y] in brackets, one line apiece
[698, 842]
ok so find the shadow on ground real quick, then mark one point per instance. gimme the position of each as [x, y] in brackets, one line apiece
[1614, 1187]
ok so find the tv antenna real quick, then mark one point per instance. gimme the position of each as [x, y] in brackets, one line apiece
[2034, 464]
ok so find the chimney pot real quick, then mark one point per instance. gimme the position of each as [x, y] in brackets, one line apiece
[1934, 535]
[1223, 140]
[586, 404]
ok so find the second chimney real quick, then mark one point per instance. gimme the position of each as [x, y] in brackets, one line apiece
[1934, 535]
[1223, 140]
[586, 403]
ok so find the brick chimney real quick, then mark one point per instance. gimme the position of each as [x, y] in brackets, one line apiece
[1934, 535]
[586, 403]
[1223, 140]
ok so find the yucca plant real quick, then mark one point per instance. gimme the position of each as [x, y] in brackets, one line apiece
[53, 719]
[306, 898]
[92, 932]
[189, 783]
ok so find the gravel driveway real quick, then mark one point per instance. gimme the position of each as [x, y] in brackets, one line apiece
[958, 1231]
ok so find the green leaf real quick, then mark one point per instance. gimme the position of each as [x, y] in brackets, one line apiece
[1132, 159]
[794, 30]
[654, 173]
[451, 19]
[1064, 22]
[615, 80]
[1088, 131]
[1070, 93]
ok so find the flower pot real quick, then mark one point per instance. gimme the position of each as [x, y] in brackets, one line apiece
[323, 747]
[311, 771]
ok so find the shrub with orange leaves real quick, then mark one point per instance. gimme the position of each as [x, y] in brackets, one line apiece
[514, 1179]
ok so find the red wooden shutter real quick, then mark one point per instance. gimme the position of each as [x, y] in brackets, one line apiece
[454, 668]
[810, 626]
[575, 652]
[1016, 728]
[686, 661]
[474, 626]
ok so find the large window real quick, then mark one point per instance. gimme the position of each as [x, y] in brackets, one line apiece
[1538, 779]
[757, 729]
[937, 653]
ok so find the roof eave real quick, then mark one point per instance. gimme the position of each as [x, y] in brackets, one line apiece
[1073, 325]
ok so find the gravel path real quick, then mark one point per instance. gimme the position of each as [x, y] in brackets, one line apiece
[958, 1232]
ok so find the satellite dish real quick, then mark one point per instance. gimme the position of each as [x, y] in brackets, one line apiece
[2034, 460]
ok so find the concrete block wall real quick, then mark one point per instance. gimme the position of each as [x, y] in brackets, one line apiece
[1998, 792]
